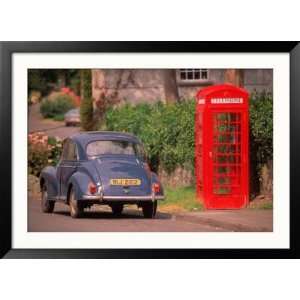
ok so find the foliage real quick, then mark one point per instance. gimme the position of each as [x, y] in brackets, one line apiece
[44, 80]
[167, 131]
[75, 82]
[39, 79]
[37, 158]
[54, 150]
[180, 199]
[86, 82]
[86, 114]
[86, 105]
[57, 106]
[42, 154]
[261, 126]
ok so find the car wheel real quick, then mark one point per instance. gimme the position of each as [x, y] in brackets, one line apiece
[149, 209]
[47, 206]
[117, 209]
[76, 209]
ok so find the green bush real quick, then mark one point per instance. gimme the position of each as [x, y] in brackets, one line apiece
[261, 126]
[57, 106]
[167, 131]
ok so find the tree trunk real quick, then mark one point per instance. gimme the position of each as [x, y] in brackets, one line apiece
[235, 77]
[266, 180]
[170, 85]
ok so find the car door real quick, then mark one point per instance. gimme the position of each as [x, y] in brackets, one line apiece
[67, 166]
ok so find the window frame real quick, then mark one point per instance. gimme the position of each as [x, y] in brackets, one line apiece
[66, 144]
[195, 80]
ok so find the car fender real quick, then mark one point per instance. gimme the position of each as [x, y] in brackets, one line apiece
[155, 179]
[48, 177]
[80, 181]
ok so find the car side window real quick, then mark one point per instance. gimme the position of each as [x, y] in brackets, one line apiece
[65, 150]
[69, 151]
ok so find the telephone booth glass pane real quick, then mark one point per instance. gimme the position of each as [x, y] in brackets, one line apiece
[226, 153]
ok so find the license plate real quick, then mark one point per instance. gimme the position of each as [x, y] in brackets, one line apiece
[125, 182]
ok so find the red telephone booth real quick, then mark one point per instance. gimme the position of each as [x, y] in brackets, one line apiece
[221, 147]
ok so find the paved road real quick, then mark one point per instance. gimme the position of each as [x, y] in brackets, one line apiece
[50, 127]
[101, 219]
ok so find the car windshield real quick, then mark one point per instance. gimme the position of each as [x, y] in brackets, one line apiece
[97, 148]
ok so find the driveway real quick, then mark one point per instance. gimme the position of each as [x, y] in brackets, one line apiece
[52, 128]
[100, 219]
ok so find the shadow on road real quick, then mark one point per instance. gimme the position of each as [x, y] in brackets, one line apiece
[108, 215]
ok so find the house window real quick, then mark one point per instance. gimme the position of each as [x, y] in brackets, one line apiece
[193, 74]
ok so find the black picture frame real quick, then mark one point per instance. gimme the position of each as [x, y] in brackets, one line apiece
[7, 49]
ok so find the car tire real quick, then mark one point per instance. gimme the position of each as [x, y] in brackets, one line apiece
[76, 209]
[149, 209]
[117, 209]
[47, 206]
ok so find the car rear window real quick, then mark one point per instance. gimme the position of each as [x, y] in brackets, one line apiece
[97, 148]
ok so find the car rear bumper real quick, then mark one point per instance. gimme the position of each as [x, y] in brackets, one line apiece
[123, 198]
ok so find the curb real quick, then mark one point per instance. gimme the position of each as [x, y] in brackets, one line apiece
[225, 225]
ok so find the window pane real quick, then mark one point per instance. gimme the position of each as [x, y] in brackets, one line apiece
[204, 74]
[115, 147]
[197, 74]
[190, 75]
[183, 75]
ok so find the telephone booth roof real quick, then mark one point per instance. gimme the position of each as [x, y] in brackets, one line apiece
[222, 94]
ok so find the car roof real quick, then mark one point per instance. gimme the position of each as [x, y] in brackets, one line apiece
[86, 137]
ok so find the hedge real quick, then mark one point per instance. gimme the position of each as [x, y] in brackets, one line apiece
[167, 131]
[261, 126]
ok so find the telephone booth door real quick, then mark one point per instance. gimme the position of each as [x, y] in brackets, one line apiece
[227, 161]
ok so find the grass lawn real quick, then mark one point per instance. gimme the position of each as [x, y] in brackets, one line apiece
[180, 200]
[261, 205]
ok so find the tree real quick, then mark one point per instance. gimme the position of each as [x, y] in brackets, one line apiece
[86, 104]
[235, 77]
[40, 80]
[170, 85]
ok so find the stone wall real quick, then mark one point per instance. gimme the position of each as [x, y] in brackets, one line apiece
[128, 85]
[259, 80]
[146, 85]
[179, 177]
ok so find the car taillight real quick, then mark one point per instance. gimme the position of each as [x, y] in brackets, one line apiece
[155, 188]
[92, 188]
